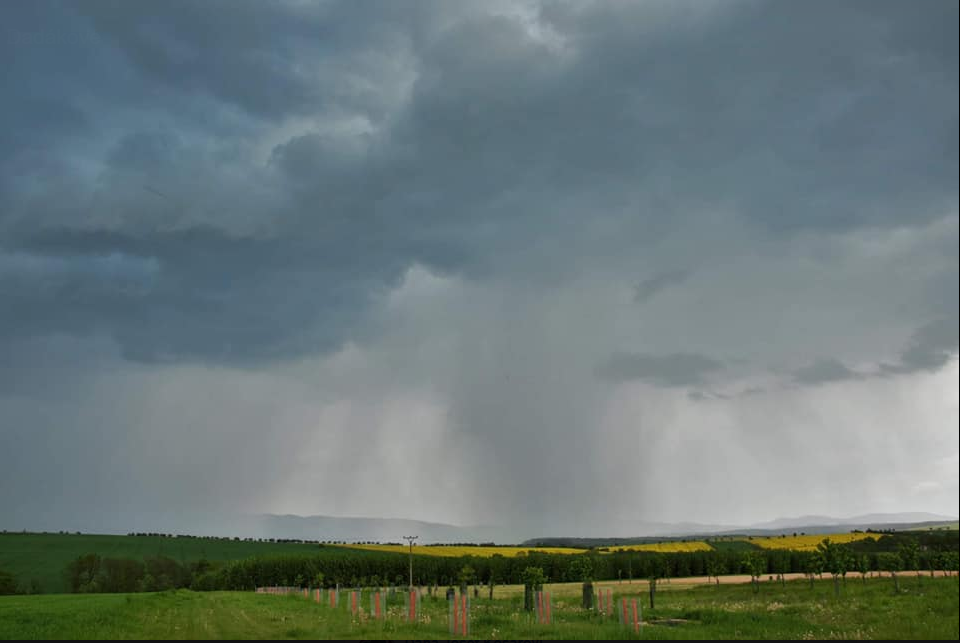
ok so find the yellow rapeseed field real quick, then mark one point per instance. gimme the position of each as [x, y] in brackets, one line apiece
[665, 547]
[806, 542]
[453, 551]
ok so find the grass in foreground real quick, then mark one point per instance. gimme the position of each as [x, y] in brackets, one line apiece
[925, 609]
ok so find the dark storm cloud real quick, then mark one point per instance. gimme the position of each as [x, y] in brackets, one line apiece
[931, 346]
[824, 370]
[272, 61]
[796, 115]
[679, 369]
[929, 349]
[201, 293]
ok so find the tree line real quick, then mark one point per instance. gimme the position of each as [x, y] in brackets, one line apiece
[335, 566]
[347, 570]
[92, 573]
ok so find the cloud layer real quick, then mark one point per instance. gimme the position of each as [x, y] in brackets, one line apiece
[477, 262]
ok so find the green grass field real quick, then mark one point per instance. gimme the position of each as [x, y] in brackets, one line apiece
[925, 609]
[43, 557]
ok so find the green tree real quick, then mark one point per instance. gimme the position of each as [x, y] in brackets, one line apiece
[8, 583]
[781, 564]
[863, 566]
[465, 576]
[755, 565]
[951, 561]
[715, 566]
[533, 580]
[167, 572]
[582, 570]
[890, 562]
[498, 567]
[83, 573]
[836, 560]
[657, 570]
[147, 584]
[813, 566]
[909, 553]
[121, 574]
[933, 562]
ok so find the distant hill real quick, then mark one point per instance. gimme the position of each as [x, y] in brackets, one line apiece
[291, 527]
[392, 530]
[373, 529]
[805, 524]
[855, 521]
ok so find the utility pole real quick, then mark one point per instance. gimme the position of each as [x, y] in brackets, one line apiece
[410, 540]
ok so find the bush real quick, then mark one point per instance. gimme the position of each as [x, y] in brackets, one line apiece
[8, 584]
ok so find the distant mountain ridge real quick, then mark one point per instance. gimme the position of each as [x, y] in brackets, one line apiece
[865, 519]
[808, 524]
[353, 529]
[366, 529]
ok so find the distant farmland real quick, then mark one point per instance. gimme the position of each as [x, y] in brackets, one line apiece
[807, 542]
[455, 551]
[671, 546]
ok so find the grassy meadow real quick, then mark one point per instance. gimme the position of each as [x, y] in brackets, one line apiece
[924, 609]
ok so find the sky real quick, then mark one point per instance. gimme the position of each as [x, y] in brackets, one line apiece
[564, 266]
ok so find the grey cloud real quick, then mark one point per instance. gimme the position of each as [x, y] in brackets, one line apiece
[931, 346]
[824, 370]
[493, 139]
[650, 287]
[239, 299]
[285, 59]
[705, 396]
[678, 369]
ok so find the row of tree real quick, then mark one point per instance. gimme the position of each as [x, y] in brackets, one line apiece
[351, 570]
[300, 541]
[92, 573]
[346, 568]
[9, 585]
